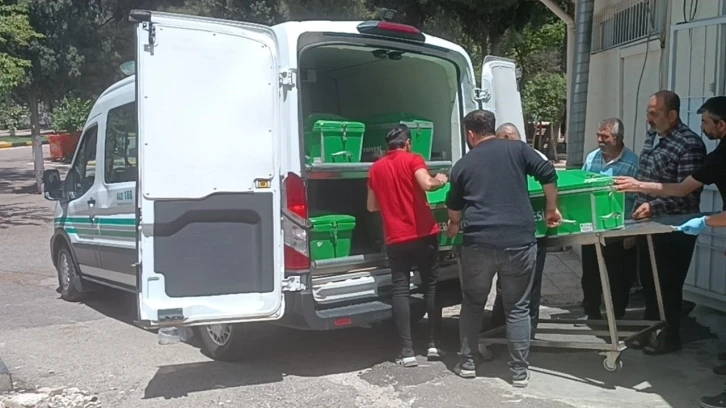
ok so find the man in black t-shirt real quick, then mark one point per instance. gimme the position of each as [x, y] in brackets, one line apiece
[489, 194]
[713, 125]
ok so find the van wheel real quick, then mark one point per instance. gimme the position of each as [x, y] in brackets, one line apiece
[70, 286]
[227, 342]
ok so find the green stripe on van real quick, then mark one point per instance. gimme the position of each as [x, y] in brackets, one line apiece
[98, 220]
[108, 234]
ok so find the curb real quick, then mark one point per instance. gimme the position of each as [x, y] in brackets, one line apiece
[6, 380]
[8, 145]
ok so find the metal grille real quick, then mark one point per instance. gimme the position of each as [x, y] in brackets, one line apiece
[628, 21]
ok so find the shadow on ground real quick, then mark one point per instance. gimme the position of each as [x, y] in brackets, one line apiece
[24, 214]
[17, 181]
[298, 353]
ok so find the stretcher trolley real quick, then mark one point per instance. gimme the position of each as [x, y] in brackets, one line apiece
[619, 332]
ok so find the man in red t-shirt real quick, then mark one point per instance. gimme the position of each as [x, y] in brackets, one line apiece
[396, 187]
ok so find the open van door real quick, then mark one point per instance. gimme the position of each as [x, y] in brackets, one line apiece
[209, 239]
[500, 92]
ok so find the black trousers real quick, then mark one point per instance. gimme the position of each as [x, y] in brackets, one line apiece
[621, 265]
[673, 253]
[422, 253]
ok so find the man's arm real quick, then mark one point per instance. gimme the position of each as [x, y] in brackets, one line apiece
[682, 189]
[372, 202]
[423, 178]
[691, 161]
[718, 220]
[428, 183]
[542, 170]
[455, 202]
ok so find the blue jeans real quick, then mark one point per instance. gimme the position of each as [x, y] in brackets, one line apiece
[498, 319]
[515, 267]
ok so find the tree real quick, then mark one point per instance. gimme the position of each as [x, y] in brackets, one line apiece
[15, 33]
[544, 101]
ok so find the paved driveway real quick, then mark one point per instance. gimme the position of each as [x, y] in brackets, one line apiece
[92, 346]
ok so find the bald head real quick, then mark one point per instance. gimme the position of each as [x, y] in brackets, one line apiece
[508, 131]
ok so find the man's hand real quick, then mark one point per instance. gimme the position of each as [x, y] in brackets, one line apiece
[627, 185]
[644, 211]
[693, 226]
[452, 229]
[441, 177]
[553, 218]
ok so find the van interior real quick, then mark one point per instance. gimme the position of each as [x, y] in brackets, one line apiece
[355, 83]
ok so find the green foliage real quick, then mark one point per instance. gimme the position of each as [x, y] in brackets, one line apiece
[14, 116]
[544, 97]
[71, 114]
[16, 33]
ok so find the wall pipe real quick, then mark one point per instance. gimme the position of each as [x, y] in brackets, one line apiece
[580, 79]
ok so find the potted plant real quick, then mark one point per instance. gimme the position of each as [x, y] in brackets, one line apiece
[67, 120]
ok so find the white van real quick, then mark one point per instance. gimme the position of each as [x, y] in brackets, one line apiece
[189, 185]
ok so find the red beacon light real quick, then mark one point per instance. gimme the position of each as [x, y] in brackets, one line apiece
[388, 28]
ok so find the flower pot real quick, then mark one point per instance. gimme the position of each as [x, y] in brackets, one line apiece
[63, 145]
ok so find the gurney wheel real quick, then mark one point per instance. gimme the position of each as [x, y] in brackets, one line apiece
[611, 364]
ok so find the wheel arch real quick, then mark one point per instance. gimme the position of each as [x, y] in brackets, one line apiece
[60, 238]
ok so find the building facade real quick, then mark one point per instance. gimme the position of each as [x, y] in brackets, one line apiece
[640, 47]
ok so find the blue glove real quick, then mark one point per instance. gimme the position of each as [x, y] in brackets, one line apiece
[693, 226]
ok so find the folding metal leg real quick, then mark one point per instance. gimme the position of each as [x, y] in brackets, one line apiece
[607, 296]
[656, 278]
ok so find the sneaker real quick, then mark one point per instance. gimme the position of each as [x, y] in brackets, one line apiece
[521, 382]
[717, 401]
[435, 353]
[722, 356]
[465, 369]
[407, 361]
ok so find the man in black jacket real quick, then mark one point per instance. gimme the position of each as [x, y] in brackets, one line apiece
[489, 191]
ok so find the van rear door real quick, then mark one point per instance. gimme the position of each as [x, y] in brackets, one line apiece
[500, 92]
[209, 240]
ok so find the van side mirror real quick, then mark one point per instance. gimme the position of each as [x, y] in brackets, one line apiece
[52, 186]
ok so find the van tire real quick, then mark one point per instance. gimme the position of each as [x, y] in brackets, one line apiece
[228, 342]
[70, 286]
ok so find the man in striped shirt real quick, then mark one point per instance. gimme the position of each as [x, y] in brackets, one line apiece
[672, 152]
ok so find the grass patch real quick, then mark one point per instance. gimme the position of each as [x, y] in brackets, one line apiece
[20, 139]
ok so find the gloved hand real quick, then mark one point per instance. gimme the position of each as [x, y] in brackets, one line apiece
[693, 226]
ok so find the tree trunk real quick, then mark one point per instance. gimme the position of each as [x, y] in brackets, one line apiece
[495, 39]
[554, 135]
[38, 164]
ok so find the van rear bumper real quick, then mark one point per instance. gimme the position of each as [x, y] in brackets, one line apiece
[302, 312]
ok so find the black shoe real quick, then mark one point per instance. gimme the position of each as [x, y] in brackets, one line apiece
[717, 401]
[642, 342]
[722, 356]
[662, 345]
[720, 369]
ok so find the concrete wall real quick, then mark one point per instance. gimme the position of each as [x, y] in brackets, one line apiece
[698, 72]
[615, 73]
